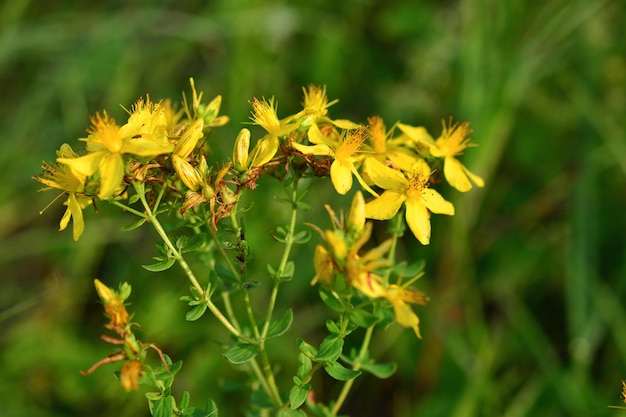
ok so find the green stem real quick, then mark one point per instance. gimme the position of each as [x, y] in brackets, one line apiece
[356, 365]
[285, 258]
[181, 260]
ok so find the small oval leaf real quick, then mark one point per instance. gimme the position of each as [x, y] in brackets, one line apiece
[160, 266]
[297, 395]
[280, 326]
[330, 349]
[339, 372]
[196, 312]
[241, 353]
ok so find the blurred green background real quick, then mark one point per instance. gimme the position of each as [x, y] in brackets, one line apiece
[527, 281]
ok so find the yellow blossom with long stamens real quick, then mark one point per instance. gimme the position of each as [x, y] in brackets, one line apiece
[107, 143]
[452, 142]
[63, 178]
[405, 316]
[345, 153]
[264, 114]
[413, 192]
[385, 148]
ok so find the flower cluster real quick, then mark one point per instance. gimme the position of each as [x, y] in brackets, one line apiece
[159, 164]
[160, 144]
[344, 259]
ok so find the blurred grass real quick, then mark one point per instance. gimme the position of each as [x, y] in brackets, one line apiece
[527, 281]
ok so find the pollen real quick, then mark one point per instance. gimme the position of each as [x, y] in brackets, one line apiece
[264, 115]
[351, 144]
[454, 139]
[377, 135]
[417, 184]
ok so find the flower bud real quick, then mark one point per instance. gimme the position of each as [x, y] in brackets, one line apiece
[356, 215]
[188, 174]
[240, 151]
[188, 141]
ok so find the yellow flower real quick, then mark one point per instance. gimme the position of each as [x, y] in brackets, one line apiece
[344, 152]
[405, 316]
[63, 178]
[452, 142]
[264, 115]
[315, 105]
[419, 200]
[107, 142]
[384, 148]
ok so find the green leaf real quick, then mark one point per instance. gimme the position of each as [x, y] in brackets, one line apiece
[195, 242]
[163, 407]
[331, 299]
[261, 399]
[184, 400]
[330, 349]
[380, 370]
[181, 242]
[304, 365]
[133, 225]
[280, 326]
[241, 353]
[133, 199]
[280, 235]
[288, 412]
[306, 349]
[303, 206]
[160, 266]
[411, 270]
[339, 372]
[287, 273]
[153, 396]
[225, 274]
[196, 312]
[332, 327]
[363, 318]
[302, 237]
[297, 395]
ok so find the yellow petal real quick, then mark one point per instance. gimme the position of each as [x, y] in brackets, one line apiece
[147, 146]
[320, 149]
[384, 207]
[436, 203]
[111, 174]
[263, 151]
[383, 176]
[475, 178]
[316, 137]
[368, 283]
[77, 216]
[188, 141]
[418, 219]
[84, 166]
[341, 176]
[457, 175]
[416, 134]
[345, 124]
[323, 266]
[405, 316]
